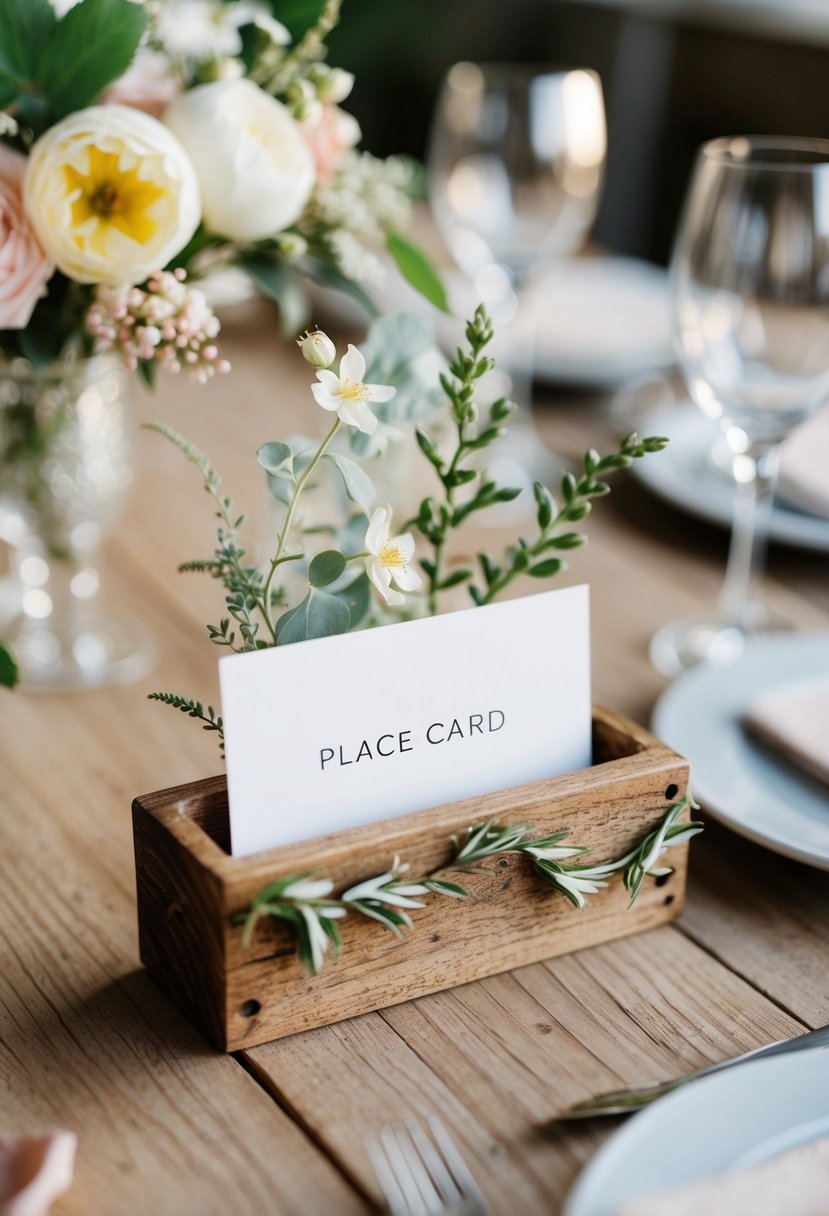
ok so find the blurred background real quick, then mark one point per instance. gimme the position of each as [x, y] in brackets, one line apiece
[674, 73]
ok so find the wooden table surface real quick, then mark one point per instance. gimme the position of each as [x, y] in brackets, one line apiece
[169, 1126]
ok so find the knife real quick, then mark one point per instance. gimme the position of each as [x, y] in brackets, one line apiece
[625, 1101]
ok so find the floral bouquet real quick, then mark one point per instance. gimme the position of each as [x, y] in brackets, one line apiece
[143, 144]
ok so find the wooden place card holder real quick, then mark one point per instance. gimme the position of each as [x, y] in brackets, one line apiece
[189, 888]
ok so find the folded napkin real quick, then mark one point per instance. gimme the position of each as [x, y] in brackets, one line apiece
[804, 465]
[795, 721]
[793, 1184]
[34, 1171]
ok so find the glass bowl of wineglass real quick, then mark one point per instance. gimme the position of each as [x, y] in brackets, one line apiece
[515, 171]
[750, 288]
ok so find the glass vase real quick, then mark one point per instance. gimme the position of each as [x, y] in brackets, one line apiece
[66, 452]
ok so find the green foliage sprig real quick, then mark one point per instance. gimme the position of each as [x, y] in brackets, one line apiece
[310, 911]
[438, 519]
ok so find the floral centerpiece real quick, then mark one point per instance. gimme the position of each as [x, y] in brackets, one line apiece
[142, 144]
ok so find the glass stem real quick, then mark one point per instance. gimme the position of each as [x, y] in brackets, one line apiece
[755, 473]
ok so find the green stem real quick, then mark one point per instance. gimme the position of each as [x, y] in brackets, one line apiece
[286, 525]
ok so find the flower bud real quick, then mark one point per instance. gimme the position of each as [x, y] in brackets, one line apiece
[332, 84]
[317, 348]
[292, 245]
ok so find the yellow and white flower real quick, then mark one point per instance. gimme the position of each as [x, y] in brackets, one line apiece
[347, 395]
[111, 194]
[254, 168]
[388, 559]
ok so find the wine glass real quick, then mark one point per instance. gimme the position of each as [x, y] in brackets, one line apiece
[516, 162]
[750, 276]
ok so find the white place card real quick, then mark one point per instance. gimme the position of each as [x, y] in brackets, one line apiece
[340, 731]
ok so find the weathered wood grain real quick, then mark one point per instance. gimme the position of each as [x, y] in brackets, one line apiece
[499, 1059]
[189, 891]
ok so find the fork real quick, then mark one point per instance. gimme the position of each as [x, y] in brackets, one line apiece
[420, 1176]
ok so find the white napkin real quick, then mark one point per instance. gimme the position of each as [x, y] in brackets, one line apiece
[804, 465]
[795, 721]
[793, 1184]
[34, 1171]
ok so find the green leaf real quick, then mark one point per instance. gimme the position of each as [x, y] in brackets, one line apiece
[320, 615]
[326, 568]
[277, 459]
[357, 598]
[279, 283]
[357, 482]
[93, 45]
[400, 350]
[24, 28]
[9, 674]
[547, 568]
[418, 270]
[297, 15]
[546, 506]
[327, 275]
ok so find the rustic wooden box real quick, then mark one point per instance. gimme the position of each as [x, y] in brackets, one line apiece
[189, 888]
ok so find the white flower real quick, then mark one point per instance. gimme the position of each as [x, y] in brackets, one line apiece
[111, 194]
[348, 395]
[317, 348]
[254, 168]
[388, 560]
[209, 29]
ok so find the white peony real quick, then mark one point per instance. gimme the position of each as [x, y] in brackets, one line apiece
[111, 194]
[254, 167]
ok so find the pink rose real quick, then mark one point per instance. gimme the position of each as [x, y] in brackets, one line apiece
[24, 267]
[148, 85]
[331, 136]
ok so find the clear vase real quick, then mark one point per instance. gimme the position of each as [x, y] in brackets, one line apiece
[66, 450]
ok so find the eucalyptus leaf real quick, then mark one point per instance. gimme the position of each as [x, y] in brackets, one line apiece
[276, 280]
[320, 615]
[357, 598]
[358, 484]
[91, 46]
[277, 459]
[326, 568]
[400, 350]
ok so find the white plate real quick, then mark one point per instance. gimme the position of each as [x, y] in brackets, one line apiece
[738, 780]
[602, 321]
[741, 1116]
[686, 476]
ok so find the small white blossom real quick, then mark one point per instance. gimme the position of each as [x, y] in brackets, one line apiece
[347, 395]
[389, 558]
[317, 348]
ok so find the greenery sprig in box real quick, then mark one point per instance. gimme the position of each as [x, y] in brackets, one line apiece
[525, 873]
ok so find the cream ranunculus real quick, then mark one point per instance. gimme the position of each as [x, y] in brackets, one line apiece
[254, 167]
[111, 194]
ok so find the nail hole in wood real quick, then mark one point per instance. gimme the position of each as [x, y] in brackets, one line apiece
[671, 792]
[249, 1009]
[668, 900]
[435, 937]
[503, 863]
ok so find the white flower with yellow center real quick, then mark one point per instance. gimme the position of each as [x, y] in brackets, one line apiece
[388, 559]
[111, 194]
[348, 396]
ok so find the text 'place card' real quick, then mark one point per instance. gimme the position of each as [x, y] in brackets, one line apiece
[340, 731]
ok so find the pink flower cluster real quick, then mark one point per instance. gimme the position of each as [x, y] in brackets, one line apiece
[163, 321]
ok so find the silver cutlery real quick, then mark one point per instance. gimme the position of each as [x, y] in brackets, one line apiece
[421, 1175]
[625, 1101]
